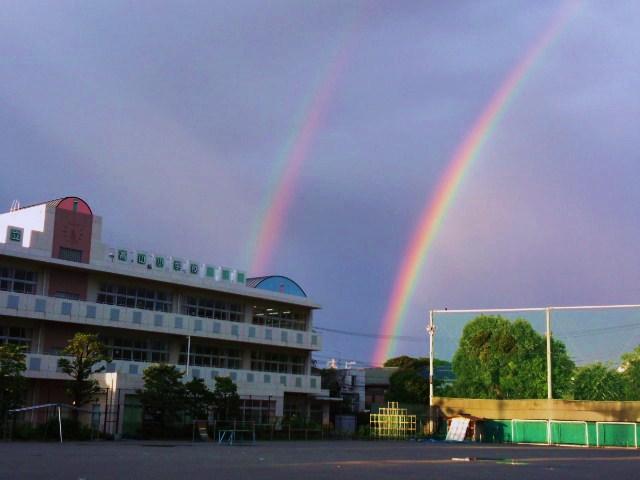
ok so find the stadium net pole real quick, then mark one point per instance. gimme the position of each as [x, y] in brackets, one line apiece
[431, 330]
[547, 314]
[60, 423]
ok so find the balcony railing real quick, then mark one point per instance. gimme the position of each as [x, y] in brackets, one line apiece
[87, 313]
[248, 381]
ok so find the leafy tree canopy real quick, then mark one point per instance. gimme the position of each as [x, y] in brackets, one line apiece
[164, 393]
[598, 382]
[410, 383]
[12, 383]
[631, 374]
[501, 359]
[226, 399]
[85, 350]
[198, 398]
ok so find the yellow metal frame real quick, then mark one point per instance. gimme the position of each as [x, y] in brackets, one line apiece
[392, 422]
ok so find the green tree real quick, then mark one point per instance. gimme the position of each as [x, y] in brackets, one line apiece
[501, 359]
[598, 382]
[405, 361]
[86, 351]
[163, 396]
[410, 383]
[12, 383]
[226, 399]
[198, 399]
[631, 374]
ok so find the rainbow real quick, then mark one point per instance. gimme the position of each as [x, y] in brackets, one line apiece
[271, 221]
[454, 175]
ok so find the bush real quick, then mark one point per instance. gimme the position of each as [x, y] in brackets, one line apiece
[71, 430]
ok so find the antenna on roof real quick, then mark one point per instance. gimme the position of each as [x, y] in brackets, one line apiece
[15, 205]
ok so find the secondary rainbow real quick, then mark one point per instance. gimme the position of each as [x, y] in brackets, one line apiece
[454, 175]
[271, 222]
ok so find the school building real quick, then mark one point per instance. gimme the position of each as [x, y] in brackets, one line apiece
[57, 277]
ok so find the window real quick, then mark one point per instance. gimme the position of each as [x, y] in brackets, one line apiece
[211, 356]
[279, 318]
[277, 362]
[258, 411]
[16, 336]
[67, 295]
[70, 254]
[209, 308]
[18, 280]
[137, 350]
[134, 297]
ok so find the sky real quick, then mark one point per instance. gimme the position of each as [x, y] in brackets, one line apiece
[175, 121]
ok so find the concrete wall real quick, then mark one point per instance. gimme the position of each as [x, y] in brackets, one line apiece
[30, 219]
[541, 409]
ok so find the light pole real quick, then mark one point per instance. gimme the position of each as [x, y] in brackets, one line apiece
[188, 353]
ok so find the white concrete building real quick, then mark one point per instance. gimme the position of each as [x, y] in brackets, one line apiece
[57, 278]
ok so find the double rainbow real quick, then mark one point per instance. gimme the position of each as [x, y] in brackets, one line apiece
[465, 154]
[271, 221]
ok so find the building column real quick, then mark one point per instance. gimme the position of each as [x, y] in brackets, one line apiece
[308, 364]
[39, 340]
[245, 363]
[326, 414]
[279, 406]
[175, 343]
[248, 314]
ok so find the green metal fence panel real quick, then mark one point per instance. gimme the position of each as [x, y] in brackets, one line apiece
[616, 434]
[569, 433]
[561, 432]
[496, 431]
[530, 431]
[591, 426]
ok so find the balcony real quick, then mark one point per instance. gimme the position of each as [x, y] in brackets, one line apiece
[249, 382]
[97, 314]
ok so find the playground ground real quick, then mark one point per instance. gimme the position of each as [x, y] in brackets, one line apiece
[310, 460]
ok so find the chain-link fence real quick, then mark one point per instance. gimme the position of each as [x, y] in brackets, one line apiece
[583, 353]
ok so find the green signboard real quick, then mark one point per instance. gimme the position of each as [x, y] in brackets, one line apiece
[15, 235]
[122, 255]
